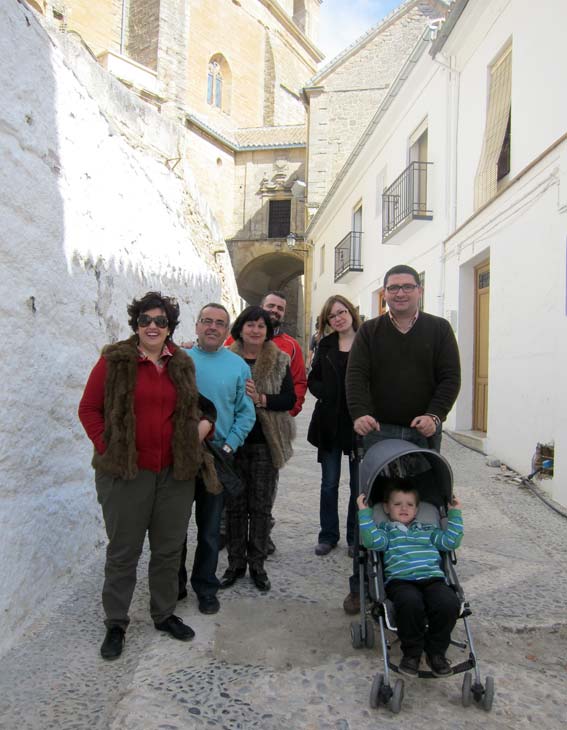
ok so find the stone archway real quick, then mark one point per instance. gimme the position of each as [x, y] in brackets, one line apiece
[261, 267]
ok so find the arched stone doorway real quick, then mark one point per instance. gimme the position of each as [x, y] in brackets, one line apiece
[260, 268]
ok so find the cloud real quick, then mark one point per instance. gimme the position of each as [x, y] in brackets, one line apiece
[342, 23]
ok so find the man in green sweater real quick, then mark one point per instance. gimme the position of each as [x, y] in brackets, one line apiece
[403, 376]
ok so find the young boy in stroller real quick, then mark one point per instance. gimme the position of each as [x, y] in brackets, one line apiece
[410, 524]
[426, 607]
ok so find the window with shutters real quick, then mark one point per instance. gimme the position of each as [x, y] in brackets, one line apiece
[494, 163]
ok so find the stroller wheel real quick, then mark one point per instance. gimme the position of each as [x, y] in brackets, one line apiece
[395, 703]
[356, 635]
[376, 691]
[369, 640]
[488, 695]
[466, 693]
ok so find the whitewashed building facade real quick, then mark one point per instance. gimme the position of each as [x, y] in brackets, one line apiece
[462, 175]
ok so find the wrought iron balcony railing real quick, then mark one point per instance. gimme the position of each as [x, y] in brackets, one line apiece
[406, 199]
[348, 254]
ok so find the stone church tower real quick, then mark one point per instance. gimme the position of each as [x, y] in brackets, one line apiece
[231, 72]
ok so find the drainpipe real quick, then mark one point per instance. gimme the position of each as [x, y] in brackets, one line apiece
[452, 141]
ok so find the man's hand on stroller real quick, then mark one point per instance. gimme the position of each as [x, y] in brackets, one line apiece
[361, 502]
[363, 425]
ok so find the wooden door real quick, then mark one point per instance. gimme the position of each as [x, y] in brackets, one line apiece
[482, 298]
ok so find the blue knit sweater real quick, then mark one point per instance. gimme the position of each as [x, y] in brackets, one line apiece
[221, 377]
[411, 552]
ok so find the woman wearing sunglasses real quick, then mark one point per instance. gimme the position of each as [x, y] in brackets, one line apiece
[146, 419]
[331, 429]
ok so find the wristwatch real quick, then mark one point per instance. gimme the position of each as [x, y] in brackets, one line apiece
[227, 449]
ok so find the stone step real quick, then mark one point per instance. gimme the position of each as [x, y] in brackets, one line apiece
[475, 440]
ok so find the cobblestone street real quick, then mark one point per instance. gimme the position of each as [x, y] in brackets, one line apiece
[284, 660]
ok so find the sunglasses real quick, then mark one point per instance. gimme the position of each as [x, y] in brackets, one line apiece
[161, 321]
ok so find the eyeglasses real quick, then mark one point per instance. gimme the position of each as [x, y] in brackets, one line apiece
[340, 313]
[406, 288]
[161, 321]
[208, 322]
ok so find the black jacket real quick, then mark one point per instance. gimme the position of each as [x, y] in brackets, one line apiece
[327, 385]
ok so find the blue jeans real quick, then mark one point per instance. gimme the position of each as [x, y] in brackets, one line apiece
[208, 511]
[328, 509]
[390, 431]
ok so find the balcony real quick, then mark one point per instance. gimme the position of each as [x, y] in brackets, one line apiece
[406, 199]
[348, 254]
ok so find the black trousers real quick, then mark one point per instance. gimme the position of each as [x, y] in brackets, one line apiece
[248, 514]
[422, 603]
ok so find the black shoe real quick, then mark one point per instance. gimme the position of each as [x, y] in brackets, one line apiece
[231, 575]
[409, 665]
[175, 627]
[182, 593]
[113, 643]
[323, 548]
[439, 665]
[271, 547]
[261, 580]
[209, 604]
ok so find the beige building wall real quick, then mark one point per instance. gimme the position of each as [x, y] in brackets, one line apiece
[261, 176]
[261, 53]
[344, 96]
[97, 22]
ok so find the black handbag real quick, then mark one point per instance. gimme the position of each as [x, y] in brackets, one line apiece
[227, 474]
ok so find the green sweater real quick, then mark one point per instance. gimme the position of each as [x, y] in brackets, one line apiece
[396, 377]
[411, 552]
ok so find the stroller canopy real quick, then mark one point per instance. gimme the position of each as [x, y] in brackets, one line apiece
[428, 471]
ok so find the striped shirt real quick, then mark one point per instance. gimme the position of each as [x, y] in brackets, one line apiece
[411, 552]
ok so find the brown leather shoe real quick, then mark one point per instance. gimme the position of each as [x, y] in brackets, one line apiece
[351, 604]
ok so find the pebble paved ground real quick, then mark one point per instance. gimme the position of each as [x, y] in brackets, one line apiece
[284, 660]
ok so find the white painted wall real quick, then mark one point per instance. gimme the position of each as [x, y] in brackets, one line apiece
[384, 158]
[90, 216]
[523, 231]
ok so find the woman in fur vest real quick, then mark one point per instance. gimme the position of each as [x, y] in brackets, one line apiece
[266, 449]
[143, 413]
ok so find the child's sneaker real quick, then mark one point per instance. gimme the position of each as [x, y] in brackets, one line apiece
[439, 665]
[409, 666]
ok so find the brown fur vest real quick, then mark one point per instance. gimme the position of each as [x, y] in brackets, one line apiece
[120, 457]
[268, 373]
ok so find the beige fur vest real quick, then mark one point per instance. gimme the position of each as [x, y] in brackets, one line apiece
[120, 457]
[268, 373]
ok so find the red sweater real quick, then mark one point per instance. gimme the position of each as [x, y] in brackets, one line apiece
[154, 404]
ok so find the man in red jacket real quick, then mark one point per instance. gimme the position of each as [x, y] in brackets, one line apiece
[274, 302]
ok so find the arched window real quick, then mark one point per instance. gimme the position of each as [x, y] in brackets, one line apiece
[214, 85]
[218, 83]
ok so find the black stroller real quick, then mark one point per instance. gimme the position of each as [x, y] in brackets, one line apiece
[431, 475]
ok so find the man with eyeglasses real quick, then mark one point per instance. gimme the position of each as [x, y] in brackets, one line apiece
[221, 377]
[403, 375]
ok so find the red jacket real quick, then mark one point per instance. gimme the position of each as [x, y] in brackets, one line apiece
[286, 343]
[154, 404]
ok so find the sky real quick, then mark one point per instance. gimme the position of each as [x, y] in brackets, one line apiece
[343, 21]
